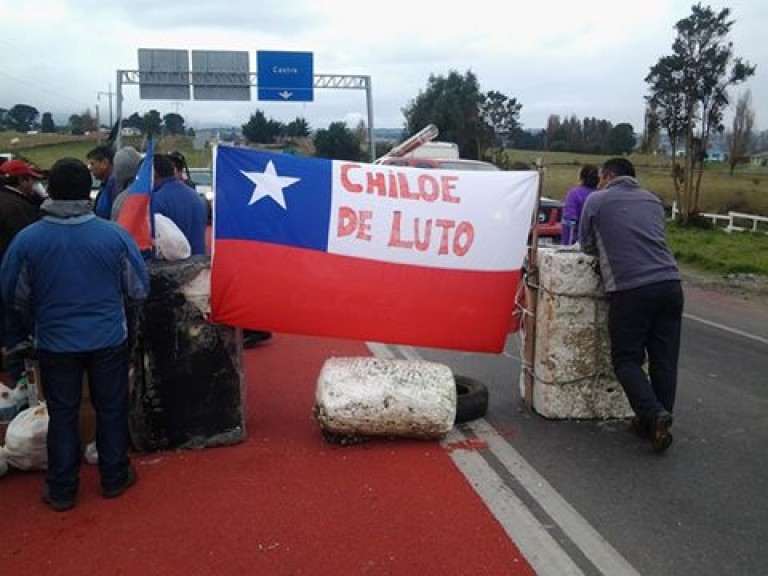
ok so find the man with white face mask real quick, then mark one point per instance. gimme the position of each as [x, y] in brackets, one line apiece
[21, 194]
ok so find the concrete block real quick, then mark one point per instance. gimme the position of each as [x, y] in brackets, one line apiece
[584, 399]
[189, 387]
[569, 272]
[573, 376]
[385, 397]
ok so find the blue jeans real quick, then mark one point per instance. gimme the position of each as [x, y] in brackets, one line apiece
[645, 323]
[62, 378]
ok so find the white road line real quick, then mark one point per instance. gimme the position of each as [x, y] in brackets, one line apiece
[726, 328]
[596, 548]
[540, 549]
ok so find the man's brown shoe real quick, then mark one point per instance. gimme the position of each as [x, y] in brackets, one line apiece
[661, 439]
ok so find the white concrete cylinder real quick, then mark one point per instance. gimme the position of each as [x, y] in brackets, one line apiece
[573, 376]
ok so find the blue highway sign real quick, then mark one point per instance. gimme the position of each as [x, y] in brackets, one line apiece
[286, 76]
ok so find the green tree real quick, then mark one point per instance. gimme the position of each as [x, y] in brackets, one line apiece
[89, 123]
[260, 130]
[47, 125]
[689, 91]
[76, 124]
[134, 121]
[173, 123]
[620, 140]
[740, 136]
[452, 104]
[298, 128]
[152, 123]
[650, 141]
[22, 117]
[501, 114]
[338, 142]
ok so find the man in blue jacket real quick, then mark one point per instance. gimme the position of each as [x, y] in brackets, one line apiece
[624, 225]
[70, 277]
[174, 199]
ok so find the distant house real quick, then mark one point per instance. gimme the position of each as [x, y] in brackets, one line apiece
[716, 148]
[759, 159]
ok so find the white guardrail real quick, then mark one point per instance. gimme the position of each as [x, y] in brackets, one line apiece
[733, 221]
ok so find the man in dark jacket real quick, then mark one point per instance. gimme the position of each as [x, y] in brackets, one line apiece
[70, 276]
[177, 201]
[21, 193]
[624, 225]
[100, 163]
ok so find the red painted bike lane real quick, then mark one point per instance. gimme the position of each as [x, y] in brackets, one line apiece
[283, 502]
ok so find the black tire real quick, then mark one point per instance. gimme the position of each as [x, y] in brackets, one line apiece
[471, 399]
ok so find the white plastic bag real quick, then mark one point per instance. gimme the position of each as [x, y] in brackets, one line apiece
[20, 394]
[25, 439]
[170, 242]
[91, 454]
[8, 406]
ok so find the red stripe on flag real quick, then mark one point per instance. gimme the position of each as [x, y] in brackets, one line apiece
[271, 287]
[134, 217]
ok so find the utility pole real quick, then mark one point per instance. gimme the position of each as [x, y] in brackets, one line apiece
[109, 94]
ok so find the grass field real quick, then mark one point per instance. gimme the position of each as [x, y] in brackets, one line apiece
[710, 250]
[745, 191]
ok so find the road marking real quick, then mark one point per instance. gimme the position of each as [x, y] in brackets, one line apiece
[726, 328]
[534, 535]
[594, 547]
[540, 549]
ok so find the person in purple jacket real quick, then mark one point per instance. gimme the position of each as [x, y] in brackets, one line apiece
[574, 202]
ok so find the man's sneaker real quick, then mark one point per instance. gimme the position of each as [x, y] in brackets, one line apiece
[57, 504]
[117, 491]
[660, 437]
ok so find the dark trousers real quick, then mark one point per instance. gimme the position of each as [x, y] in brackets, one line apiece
[644, 323]
[62, 378]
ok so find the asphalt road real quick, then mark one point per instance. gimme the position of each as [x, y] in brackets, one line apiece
[594, 499]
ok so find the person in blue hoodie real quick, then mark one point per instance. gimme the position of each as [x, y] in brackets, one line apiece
[69, 277]
[174, 199]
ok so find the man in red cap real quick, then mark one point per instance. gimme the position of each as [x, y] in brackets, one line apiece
[21, 194]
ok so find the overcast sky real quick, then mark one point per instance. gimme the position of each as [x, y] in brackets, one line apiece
[587, 59]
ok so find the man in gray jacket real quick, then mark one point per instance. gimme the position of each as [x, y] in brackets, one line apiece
[624, 225]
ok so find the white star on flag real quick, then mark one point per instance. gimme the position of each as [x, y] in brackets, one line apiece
[268, 183]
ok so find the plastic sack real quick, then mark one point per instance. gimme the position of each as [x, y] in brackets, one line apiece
[91, 454]
[25, 439]
[170, 242]
[20, 394]
[8, 406]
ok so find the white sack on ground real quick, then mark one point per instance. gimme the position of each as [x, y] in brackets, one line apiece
[374, 397]
[25, 439]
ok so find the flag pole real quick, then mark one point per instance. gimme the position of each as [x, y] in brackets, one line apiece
[531, 279]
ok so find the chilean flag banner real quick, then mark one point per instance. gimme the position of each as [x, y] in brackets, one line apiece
[368, 252]
[134, 213]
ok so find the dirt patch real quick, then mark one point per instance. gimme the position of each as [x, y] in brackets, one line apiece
[751, 287]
